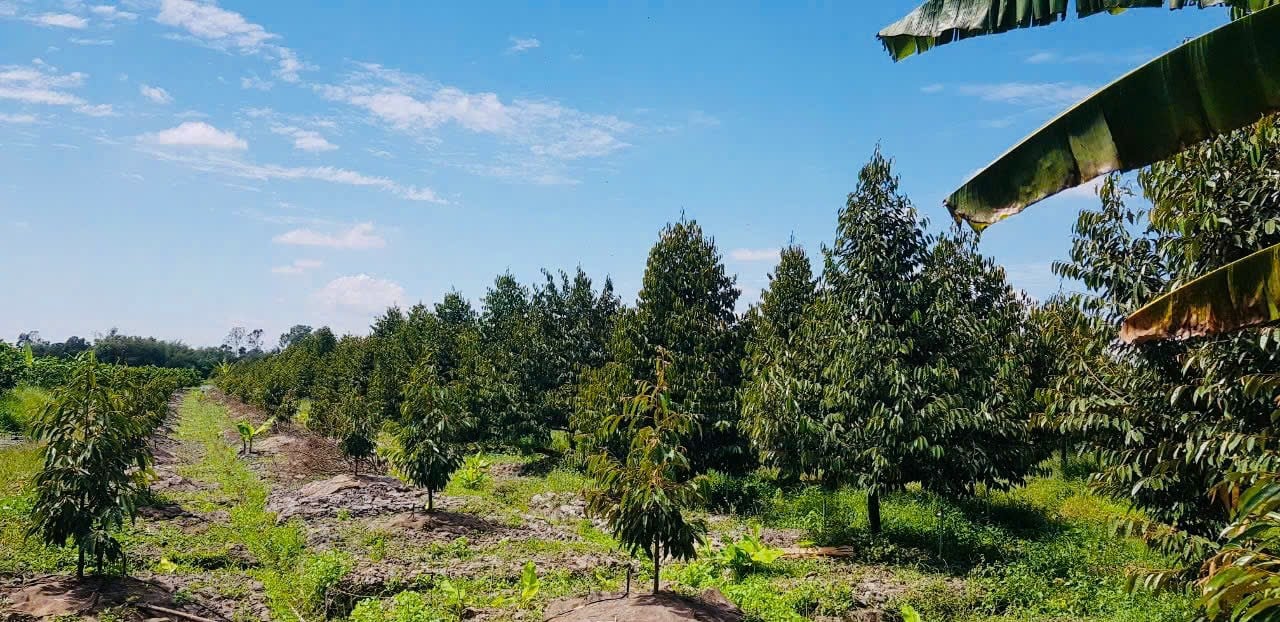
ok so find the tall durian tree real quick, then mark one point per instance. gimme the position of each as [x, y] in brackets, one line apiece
[781, 391]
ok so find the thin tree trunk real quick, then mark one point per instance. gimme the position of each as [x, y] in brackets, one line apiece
[1065, 454]
[873, 511]
[431, 502]
[80, 564]
[657, 566]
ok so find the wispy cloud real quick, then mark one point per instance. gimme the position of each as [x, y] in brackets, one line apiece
[41, 84]
[299, 266]
[83, 41]
[754, 254]
[1097, 58]
[523, 44]
[1027, 93]
[361, 294]
[225, 30]
[220, 164]
[156, 94]
[304, 140]
[60, 20]
[359, 237]
[112, 13]
[255, 83]
[196, 134]
[542, 135]
[18, 119]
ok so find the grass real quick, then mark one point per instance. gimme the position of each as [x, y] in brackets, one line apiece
[295, 580]
[1045, 551]
[19, 407]
[1042, 552]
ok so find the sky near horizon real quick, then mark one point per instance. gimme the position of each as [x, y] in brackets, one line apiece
[178, 167]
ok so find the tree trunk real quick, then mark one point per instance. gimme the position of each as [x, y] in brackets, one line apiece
[657, 566]
[431, 502]
[80, 564]
[873, 511]
[1066, 453]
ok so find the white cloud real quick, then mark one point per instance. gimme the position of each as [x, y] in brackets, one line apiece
[113, 13]
[96, 110]
[61, 20]
[228, 30]
[255, 83]
[213, 24]
[932, 88]
[299, 266]
[360, 294]
[18, 119]
[358, 237]
[1097, 58]
[196, 134]
[537, 138]
[80, 41]
[218, 163]
[1055, 94]
[304, 140]
[156, 94]
[754, 254]
[41, 84]
[523, 44]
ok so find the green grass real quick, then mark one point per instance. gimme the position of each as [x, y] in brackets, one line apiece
[295, 580]
[18, 553]
[19, 407]
[1046, 551]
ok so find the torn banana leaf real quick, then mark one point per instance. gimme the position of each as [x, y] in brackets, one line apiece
[1222, 81]
[1241, 294]
[939, 22]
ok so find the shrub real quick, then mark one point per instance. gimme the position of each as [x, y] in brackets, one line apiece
[748, 494]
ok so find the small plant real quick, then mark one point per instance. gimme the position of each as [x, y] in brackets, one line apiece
[407, 606]
[747, 555]
[453, 596]
[530, 584]
[248, 433]
[909, 614]
[474, 474]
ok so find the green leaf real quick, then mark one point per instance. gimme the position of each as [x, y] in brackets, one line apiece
[1216, 83]
[1240, 294]
[938, 22]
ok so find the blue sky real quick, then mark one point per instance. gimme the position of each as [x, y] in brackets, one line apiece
[177, 167]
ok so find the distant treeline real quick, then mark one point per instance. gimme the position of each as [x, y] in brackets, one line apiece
[138, 351]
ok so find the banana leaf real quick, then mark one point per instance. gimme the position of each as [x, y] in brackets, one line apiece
[937, 22]
[1219, 82]
[1243, 293]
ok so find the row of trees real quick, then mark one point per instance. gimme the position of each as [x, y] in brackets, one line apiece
[96, 432]
[909, 359]
[137, 351]
[22, 366]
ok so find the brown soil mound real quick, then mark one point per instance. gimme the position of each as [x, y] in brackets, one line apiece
[367, 495]
[711, 606]
[53, 596]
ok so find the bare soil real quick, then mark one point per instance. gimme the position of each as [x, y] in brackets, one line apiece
[711, 606]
